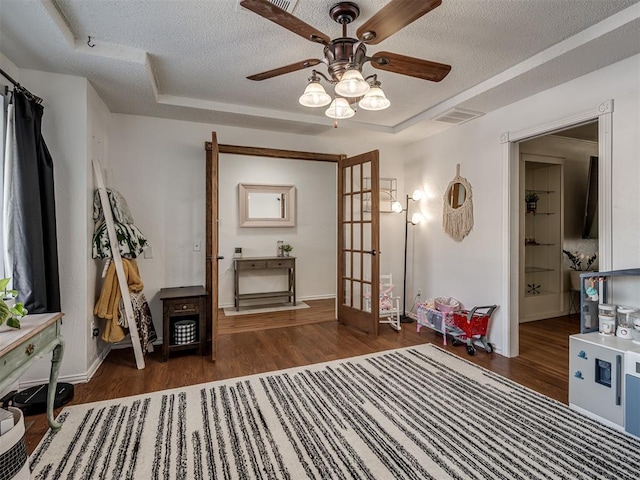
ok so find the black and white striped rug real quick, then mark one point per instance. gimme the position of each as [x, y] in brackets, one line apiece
[414, 413]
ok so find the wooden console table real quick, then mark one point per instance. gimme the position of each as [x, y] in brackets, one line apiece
[39, 334]
[252, 264]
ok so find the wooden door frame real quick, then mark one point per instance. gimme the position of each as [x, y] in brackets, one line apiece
[211, 265]
[510, 303]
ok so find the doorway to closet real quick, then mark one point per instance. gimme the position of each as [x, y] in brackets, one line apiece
[602, 115]
[559, 215]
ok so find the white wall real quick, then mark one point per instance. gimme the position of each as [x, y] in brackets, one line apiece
[472, 269]
[98, 117]
[313, 238]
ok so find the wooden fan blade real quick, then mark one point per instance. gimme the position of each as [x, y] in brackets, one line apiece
[413, 67]
[394, 16]
[310, 62]
[269, 11]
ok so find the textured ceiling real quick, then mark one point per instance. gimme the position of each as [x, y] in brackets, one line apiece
[189, 59]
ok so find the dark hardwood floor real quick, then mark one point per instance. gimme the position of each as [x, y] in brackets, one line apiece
[543, 364]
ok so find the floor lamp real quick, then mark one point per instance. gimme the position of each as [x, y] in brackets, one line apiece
[416, 218]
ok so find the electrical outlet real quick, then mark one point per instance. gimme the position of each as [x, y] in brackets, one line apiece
[419, 292]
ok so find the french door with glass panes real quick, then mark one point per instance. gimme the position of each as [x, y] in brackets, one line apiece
[358, 242]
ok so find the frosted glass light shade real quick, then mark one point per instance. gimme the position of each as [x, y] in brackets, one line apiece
[339, 109]
[397, 207]
[416, 218]
[374, 99]
[315, 96]
[417, 195]
[352, 84]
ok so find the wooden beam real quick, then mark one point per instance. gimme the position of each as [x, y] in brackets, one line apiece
[275, 153]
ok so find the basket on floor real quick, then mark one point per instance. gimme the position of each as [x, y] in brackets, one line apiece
[447, 304]
[13, 450]
[184, 332]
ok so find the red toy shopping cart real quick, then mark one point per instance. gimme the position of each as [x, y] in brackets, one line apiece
[470, 327]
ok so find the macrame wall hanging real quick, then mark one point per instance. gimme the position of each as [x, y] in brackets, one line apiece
[457, 211]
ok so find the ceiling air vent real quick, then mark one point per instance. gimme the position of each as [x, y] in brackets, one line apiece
[286, 5]
[457, 116]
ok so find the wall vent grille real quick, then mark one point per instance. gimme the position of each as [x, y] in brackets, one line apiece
[457, 116]
[287, 5]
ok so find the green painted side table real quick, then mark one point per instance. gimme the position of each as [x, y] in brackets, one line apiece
[39, 335]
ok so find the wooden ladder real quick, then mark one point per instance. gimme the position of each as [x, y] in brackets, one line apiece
[117, 259]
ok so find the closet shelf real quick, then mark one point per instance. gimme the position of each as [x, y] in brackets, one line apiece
[539, 191]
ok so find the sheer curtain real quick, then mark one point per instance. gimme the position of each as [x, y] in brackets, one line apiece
[3, 106]
[29, 219]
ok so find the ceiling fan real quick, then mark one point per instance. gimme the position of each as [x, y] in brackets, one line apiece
[345, 56]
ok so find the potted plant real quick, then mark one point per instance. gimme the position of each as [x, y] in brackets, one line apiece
[576, 266]
[10, 311]
[286, 248]
[531, 198]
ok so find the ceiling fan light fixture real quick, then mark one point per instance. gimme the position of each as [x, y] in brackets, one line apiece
[345, 56]
[314, 95]
[340, 109]
[374, 99]
[352, 84]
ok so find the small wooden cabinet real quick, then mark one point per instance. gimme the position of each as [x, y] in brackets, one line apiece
[179, 304]
[248, 265]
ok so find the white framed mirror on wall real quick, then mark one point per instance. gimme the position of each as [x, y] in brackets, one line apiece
[266, 205]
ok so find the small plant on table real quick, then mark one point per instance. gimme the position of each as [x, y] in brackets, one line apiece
[10, 310]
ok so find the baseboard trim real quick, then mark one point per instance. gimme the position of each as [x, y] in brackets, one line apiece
[97, 362]
[78, 378]
[299, 299]
[73, 379]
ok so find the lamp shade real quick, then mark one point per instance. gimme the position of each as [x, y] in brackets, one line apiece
[397, 207]
[314, 96]
[352, 84]
[374, 99]
[416, 218]
[340, 109]
[417, 195]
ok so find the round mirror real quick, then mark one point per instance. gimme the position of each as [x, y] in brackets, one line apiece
[456, 195]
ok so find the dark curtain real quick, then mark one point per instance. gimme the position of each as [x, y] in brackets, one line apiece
[35, 259]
